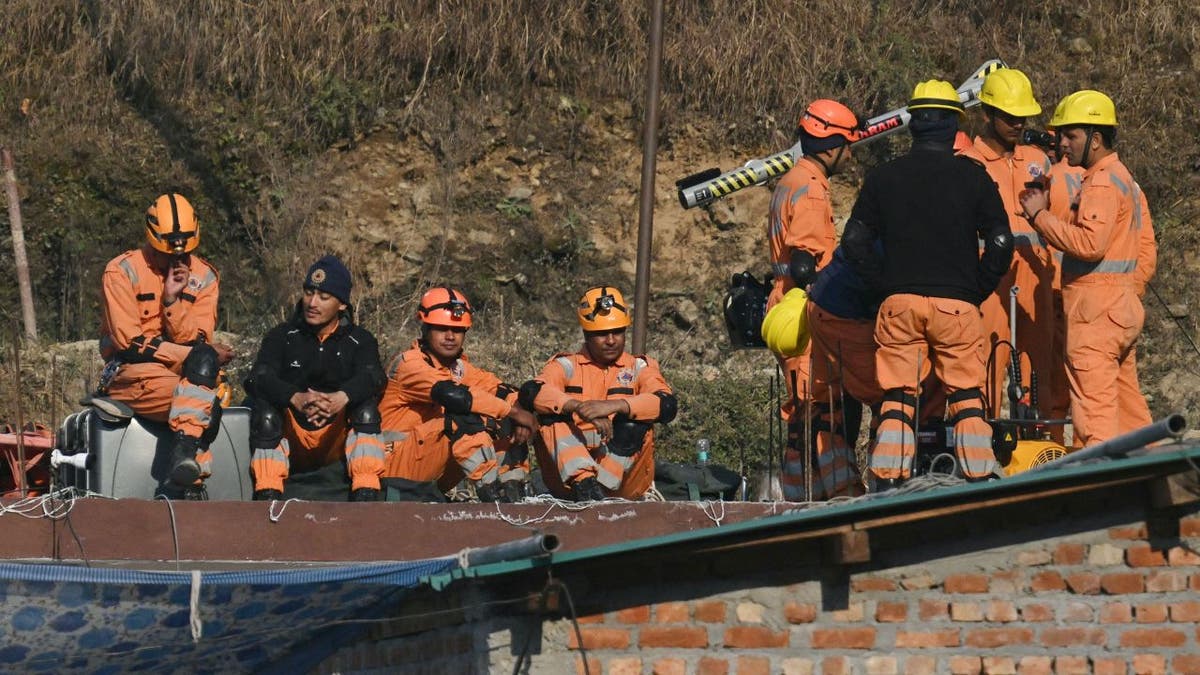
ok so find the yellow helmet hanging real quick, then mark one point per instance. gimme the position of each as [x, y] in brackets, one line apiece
[785, 328]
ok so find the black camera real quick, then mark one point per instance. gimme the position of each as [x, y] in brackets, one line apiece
[1042, 139]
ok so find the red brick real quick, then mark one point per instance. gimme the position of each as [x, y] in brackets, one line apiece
[1122, 582]
[999, 665]
[1194, 582]
[1071, 665]
[634, 614]
[1109, 666]
[710, 666]
[1073, 637]
[681, 637]
[1189, 527]
[836, 665]
[1131, 532]
[1046, 580]
[966, 611]
[852, 614]
[966, 665]
[1001, 611]
[1037, 613]
[1144, 556]
[1035, 665]
[1178, 556]
[990, 638]
[796, 612]
[754, 637]
[1149, 664]
[591, 618]
[1153, 637]
[1150, 613]
[625, 665]
[842, 638]
[1084, 583]
[1033, 558]
[1166, 581]
[1185, 663]
[1116, 612]
[669, 667]
[891, 612]
[1008, 582]
[867, 584]
[671, 612]
[966, 583]
[600, 638]
[593, 666]
[921, 582]
[711, 611]
[753, 665]
[931, 610]
[1069, 554]
[882, 665]
[1077, 612]
[917, 639]
[920, 665]
[1185, 612]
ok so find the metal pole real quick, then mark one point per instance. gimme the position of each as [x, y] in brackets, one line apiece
[1171, 425]
[641, 294]
[20, 260]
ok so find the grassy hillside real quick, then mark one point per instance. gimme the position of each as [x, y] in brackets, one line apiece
[494, 143]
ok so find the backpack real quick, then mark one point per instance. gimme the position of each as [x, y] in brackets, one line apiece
[694, 482]
[745, 307]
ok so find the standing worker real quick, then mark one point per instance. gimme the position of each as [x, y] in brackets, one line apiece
[315, 392]
[598, 406]
[160, 311]
[928, 209]
[1101, 246]
[802, 237]
[445, 418]
[1007, 101]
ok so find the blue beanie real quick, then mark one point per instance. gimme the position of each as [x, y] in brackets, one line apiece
[329, 274]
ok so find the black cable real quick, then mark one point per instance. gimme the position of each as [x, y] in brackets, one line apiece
[523, 658]
[75, 536]
[575, 622]
[1178, 322]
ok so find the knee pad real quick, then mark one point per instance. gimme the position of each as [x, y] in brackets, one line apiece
[365, 419]
[266, 425]
[628, 436]
[668, 406]
[214, 427]
[458, 426]
[527, 393]
[455, 398]
[202, 365]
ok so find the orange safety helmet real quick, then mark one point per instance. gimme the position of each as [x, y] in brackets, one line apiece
[446, 307]
[603, 308]
[171, 225]
[824, 118]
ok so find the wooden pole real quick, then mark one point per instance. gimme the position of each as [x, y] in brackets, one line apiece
[18, 238]
[641, 297]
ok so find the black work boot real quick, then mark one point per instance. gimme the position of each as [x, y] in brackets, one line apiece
[365, 495]
[267, 495]
[195, 493]
[185, 470]
[512, 491]
[487, 492]
[588, 490]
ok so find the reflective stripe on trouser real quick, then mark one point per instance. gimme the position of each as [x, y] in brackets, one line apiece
[972, 434]
[305, 450]
[476, 454]
[191, 408]
[270, 466]
[513, 462]
[364, 459]
[1033, 274]
[577, 451]
[1103, 323]
[836, 468]
[895, 438]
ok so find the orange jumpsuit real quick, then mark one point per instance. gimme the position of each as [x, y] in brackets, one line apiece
[1065, 182]
[1032, 272]
[574, 446]
[1104, 314]
[151, 341]
[419, 441]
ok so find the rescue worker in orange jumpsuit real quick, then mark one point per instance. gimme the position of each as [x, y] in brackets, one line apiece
[597, 407]
[160, 311]
[1102, 244]
[928, 209]
[1007, 101]
[315, 392]
[445, 418]
[802, 237]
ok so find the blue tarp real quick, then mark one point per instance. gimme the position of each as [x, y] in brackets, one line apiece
[60, 618]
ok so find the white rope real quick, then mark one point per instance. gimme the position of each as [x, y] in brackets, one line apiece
[194, 608]
[272, 515]
[52, 505]
[709, 508]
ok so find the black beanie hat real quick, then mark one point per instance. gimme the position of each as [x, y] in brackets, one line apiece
[329, 274]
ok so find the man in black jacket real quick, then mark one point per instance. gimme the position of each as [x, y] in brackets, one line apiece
[929, 209]
[315, 389]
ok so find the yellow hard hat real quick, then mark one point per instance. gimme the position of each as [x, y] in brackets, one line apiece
[936, 94]
[1085, 108]
[171, 225]
[785, 328]
[1009, 90]
[603, 308]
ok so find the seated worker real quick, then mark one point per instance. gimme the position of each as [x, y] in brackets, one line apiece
[315, 391]
[597, 407]
[160, 310]
[445, 418]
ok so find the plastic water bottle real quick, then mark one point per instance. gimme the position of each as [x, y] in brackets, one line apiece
[702, 447]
